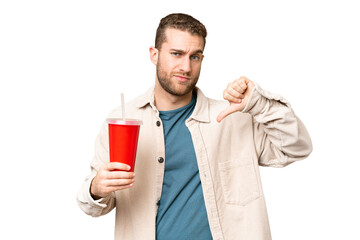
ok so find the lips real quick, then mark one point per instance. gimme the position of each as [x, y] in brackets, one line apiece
[182, 78]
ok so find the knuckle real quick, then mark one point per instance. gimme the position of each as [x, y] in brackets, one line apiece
[122, 165]
[102, 183]
[102, 168]
[101, 174]
[228, 96]
[129, 181]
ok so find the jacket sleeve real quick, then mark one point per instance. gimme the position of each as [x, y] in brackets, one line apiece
[280, 136]
[102, 206]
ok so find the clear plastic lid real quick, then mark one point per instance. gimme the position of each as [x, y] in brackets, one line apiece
[120, 121]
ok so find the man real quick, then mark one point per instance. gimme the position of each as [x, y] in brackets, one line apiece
[197, 174]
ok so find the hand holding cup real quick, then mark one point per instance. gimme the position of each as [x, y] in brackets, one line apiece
[111, 177]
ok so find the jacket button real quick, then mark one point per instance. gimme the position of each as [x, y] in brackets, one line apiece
[158, 123]
[160, 159]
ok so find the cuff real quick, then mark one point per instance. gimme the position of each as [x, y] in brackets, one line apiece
[102, 202]
[259, 100]
[87, 203]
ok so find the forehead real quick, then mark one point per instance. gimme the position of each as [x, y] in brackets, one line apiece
[178, 39]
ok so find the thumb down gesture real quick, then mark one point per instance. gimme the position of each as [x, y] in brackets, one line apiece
[237, 93]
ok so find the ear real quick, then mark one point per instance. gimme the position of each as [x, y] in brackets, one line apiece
[154, 55]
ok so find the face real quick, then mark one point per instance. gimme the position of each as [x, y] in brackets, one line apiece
[178, 62]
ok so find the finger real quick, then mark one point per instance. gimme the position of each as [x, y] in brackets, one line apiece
[231, 98]
[113, 189]
[245, 79]
[119, 182]
[241, 83]
[121, 174]
[236, 94]
[117, 166]
[224, 114]
[237, 86]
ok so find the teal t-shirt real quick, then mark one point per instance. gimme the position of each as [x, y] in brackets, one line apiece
[181, 213]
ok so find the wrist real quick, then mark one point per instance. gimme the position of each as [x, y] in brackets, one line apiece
[92, 193]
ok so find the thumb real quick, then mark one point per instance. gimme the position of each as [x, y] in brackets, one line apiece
[224, 114]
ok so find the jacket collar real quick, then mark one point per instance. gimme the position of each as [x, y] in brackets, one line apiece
[200, 113]
[146, 99]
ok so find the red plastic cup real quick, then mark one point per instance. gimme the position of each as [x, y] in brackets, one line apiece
[123, 140]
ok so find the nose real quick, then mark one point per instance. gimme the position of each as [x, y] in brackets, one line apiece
[185, 65]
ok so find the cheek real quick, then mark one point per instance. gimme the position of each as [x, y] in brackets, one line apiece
[196, 68]
[166, 64]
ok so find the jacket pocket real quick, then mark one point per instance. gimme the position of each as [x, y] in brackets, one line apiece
[239, 181]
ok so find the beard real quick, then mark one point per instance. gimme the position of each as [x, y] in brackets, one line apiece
[173, 87]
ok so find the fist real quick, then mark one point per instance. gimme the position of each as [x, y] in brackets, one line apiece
[111, 177]
[237, 93]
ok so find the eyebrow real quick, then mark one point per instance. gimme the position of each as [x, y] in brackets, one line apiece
[182, 51]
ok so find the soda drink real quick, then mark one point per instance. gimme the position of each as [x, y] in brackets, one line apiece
[123, 140]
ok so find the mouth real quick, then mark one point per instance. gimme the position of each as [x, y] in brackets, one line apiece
[181, 78]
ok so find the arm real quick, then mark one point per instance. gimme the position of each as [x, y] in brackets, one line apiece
[96, 196]
[280, 136]
[91, 206]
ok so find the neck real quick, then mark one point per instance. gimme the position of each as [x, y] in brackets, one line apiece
[165, 101]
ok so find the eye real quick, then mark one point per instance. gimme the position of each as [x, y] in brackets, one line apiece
[195, 57]
[175, 54]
